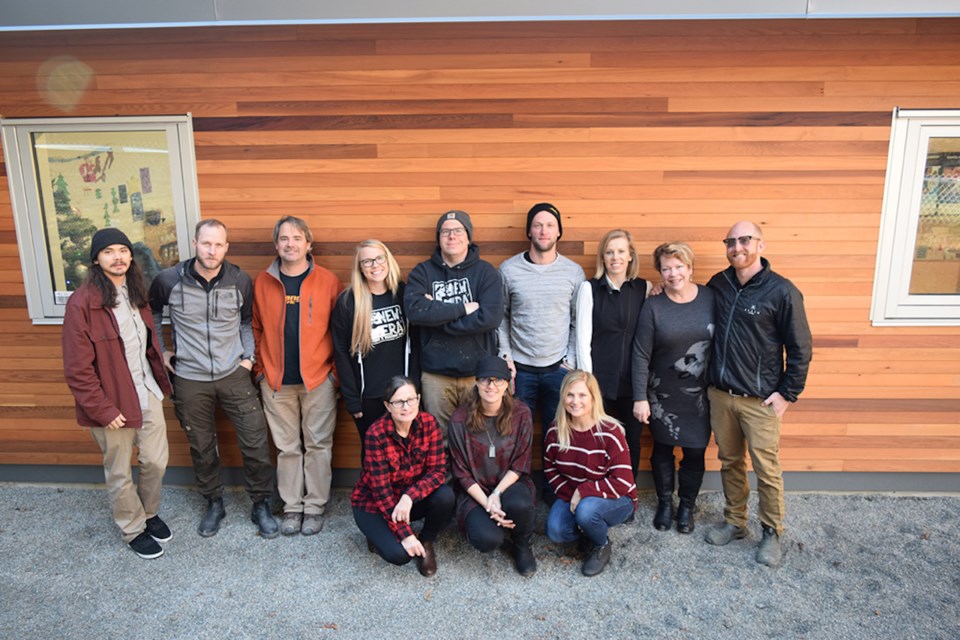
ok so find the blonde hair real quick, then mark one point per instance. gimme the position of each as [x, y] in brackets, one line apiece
[632, 269]
[597, 415]
[679, 250]
[361, 341]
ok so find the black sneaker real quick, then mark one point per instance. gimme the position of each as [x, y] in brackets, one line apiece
[159, 530]
[146, 547]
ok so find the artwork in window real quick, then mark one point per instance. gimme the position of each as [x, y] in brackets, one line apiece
[89, 180]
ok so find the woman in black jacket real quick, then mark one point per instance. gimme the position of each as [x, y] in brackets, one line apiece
[370, 334]
[608, 306]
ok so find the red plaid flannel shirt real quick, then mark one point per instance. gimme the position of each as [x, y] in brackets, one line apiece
[392, 467]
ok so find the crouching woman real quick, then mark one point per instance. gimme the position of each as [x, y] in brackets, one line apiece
[404, 467]
[587, 463]
[491, 438]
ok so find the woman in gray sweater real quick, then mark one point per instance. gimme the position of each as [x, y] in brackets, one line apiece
[670, 353]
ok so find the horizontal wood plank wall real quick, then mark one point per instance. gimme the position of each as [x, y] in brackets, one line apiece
[673, 130]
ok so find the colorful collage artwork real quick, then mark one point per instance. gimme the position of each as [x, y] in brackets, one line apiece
[96, 179]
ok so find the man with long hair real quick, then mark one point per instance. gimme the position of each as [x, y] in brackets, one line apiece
[112, 364]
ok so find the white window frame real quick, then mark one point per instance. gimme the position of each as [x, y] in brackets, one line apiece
[892, 303]
[18, 152]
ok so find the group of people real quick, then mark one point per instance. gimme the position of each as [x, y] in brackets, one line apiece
[444, 376]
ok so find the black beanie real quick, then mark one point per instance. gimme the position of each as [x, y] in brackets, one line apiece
[460, 216]
[549, 208]
[106, 237]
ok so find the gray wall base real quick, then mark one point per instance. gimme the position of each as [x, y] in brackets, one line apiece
[794, 481]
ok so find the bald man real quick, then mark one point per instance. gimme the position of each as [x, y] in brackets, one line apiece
[761, 353]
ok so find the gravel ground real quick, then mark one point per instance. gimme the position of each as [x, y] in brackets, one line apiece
[855, 566]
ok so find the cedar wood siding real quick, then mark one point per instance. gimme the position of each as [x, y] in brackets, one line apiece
[673, 130]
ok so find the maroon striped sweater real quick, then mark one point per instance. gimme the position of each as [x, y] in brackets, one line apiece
[597, 462]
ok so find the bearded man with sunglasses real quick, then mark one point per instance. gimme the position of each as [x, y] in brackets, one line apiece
[761, 353]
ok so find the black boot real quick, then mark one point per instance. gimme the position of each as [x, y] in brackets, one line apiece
[663, 481]
[596, 560]
[261, 516]
[210, 522]
[523, 557]
[688, 491]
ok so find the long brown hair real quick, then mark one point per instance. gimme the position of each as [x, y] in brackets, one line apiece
[136, 287]
[476, 421]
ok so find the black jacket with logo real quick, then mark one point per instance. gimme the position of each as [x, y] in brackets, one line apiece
[756, 324]
[451, 340]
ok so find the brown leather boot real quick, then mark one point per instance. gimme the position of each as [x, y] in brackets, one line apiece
[428, 563]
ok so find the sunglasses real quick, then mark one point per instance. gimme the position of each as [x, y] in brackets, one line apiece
[742, 240]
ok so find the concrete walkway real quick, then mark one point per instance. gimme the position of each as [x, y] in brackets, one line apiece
[855, 566]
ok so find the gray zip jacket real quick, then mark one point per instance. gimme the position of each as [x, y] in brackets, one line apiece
[211, 326]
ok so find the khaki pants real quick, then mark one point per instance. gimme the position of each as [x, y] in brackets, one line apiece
[742, 424]
[302, 426]
[442, 395]
[134, 504]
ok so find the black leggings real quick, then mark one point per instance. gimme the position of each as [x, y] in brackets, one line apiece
[622, 410]
[693, 458]
[373, 410]
[435, 510]
[484, 534]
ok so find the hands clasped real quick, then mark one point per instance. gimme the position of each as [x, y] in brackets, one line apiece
[496, 512]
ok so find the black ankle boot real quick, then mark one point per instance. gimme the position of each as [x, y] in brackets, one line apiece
[210, 522]
[261, 516]
[688, 491]
[664, 515]
[663, 481]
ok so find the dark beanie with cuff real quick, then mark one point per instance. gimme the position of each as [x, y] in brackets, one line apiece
[106, 237]
[549, 208]
[460, 216]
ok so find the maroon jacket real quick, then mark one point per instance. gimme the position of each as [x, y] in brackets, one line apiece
[95, 363]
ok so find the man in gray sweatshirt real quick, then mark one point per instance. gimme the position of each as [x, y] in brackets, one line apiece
[211, 310]
[536, 336]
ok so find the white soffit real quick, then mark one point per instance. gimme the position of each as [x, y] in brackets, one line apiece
[21, 15]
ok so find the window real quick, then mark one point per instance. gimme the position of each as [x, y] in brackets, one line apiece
[70, 177]
[918, 261]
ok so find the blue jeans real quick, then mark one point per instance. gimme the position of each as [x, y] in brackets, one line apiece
[540, 390]
[594, 517]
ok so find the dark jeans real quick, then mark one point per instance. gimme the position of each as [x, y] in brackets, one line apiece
[622, 410]
[693, 458]
[373, 410]
[541, 391]
[435, 510]
[484, 534]
[196, 402]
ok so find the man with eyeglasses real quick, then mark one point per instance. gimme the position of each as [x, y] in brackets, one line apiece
[457, 301]
[759, 318]
[292, 304]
